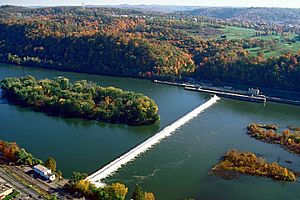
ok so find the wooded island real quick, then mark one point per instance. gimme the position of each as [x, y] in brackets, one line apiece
[81, 99]
[249, 163]
[289, 138]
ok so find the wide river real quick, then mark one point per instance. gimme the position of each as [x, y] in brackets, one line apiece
[176, 168]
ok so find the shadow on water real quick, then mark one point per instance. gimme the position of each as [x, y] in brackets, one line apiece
[85, 123]
[3, 101]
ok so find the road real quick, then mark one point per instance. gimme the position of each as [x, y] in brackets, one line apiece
[26, 193]
[39, 183]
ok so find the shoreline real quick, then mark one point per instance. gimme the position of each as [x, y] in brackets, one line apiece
[180, 83]
[230, 93]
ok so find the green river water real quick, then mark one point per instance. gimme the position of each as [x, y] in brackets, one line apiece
[176, 168]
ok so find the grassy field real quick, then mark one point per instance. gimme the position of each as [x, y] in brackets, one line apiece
[282, 46]
[12, 195]
[236, 33]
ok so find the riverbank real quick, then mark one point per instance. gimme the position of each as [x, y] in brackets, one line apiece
[230, 93]
[274, 94]
[207, 82]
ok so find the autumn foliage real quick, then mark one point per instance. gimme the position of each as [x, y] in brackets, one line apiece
[13, 153]
[289, 138]
[81, 99]
[131, 43]
[9, 150]
[249, 163]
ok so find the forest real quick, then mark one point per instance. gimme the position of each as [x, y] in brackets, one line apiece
[135, 43]
[81, 99]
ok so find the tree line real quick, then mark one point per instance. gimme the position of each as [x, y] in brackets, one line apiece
[115, 191]
[11, 152]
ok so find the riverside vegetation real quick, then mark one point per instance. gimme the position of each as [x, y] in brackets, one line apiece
[289, 138]
[81, 99]
[115, 191]
[249, 163]
[13, 153]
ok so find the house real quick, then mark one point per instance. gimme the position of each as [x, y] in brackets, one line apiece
[5, 189]
[44, 172]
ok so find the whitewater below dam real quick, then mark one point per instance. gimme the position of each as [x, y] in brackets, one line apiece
[112, 167]
[176, 168]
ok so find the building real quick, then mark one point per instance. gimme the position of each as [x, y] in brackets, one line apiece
[5, 189]
[44, 172]
[254, 92]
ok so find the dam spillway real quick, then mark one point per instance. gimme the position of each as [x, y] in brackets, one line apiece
[113, 166]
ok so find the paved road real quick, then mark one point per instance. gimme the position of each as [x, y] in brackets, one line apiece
[26, 193]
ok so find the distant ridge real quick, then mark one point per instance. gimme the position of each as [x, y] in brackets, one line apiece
[273, 15]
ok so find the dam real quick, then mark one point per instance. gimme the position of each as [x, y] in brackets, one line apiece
[106, 171]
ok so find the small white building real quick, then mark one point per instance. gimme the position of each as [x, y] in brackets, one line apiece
[5, 189]
[254, 92]
[44, 172]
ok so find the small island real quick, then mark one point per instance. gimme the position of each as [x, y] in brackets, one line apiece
[81, 99]
[289, 138]
[249, 163]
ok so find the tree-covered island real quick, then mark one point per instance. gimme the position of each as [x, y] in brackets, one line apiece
[289, 138]
[81, 99]
[249, 163]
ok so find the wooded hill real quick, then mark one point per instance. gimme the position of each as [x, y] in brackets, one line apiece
[127, 42]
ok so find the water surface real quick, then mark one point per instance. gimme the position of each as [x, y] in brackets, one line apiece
[176, 168]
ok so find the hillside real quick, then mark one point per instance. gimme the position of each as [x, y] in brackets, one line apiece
[270, 15]
[127, 42]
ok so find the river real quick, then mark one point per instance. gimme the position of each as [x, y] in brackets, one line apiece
[176, 168]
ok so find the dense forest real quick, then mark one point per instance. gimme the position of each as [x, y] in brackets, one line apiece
[127, 42]
[81, 99]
